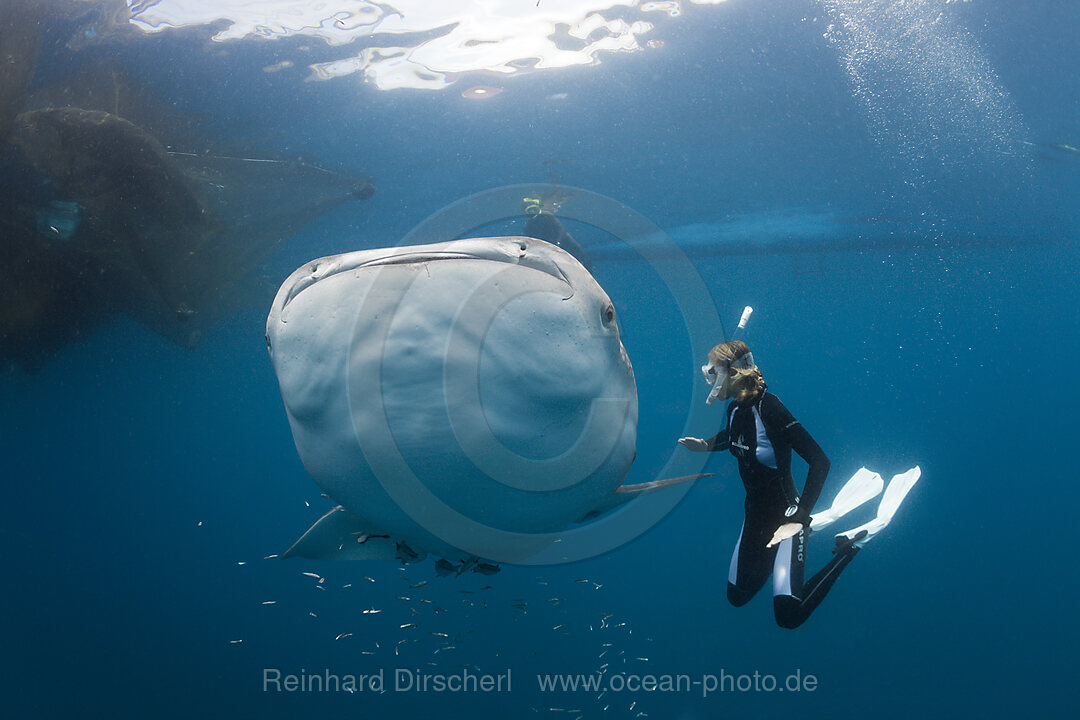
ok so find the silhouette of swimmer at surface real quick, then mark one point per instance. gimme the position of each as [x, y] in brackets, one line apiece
[544, 225]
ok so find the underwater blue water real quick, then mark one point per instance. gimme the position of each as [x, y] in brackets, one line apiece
[138, 475]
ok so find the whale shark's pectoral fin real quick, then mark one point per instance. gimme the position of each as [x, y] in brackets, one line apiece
[341, 535]
[654, 485]
[626, 493]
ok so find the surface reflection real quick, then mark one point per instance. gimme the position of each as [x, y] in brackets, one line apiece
[427, 44]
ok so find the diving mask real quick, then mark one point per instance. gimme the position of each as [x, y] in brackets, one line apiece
[721, 376]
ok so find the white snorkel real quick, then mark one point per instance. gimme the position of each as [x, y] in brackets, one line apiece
[719, 376]
[743, 319]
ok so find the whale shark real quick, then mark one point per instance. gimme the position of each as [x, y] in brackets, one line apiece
[467, 399]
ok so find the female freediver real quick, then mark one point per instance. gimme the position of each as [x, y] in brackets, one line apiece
[761, 434]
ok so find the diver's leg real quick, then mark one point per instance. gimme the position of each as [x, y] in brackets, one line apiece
[793, 599]
[751, 563]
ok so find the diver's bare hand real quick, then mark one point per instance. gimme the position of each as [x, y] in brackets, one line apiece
[695, 444]
[784, 532]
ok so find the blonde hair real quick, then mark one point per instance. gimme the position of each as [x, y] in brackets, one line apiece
[747, 382]
[727, 352]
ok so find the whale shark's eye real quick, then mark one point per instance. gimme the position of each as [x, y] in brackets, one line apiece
[608, 314]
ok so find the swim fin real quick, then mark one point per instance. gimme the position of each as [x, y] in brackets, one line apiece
[862, 487]
[850, 545]
[890, 502]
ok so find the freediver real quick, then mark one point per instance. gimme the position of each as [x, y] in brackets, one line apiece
[543, 224]
[761, 433]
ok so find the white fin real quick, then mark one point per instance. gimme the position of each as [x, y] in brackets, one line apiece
[862, 487]
[894, 495]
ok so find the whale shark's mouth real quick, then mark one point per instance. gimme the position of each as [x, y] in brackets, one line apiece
[512, 251]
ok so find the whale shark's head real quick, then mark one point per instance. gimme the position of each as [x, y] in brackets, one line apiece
[458, 394]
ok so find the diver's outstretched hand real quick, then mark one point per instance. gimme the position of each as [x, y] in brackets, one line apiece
[695, 444]
[784, 532]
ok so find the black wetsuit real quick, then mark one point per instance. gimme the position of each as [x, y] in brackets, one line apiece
[761, 435]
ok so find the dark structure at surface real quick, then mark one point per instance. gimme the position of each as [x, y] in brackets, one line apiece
[99, 216]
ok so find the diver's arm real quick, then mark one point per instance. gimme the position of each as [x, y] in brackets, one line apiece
[720, 441]
[815, 457]
[774, 412]
[717, 442]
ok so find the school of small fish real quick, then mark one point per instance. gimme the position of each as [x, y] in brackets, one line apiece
[487, 598]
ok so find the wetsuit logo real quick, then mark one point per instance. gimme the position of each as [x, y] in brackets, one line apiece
[740, 445]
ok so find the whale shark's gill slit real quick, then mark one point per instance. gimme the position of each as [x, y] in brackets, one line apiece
[417, 258]
[569, 284]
